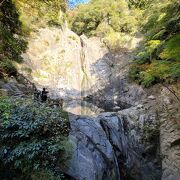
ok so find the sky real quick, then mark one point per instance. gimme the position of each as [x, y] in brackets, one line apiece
[74, 3]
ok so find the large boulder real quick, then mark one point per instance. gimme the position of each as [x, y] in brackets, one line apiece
[110, 147]
[12, 88]
[93, 155]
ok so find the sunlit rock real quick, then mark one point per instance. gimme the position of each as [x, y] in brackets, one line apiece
[68, 65]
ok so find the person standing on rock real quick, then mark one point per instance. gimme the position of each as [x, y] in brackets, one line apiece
[44, 95]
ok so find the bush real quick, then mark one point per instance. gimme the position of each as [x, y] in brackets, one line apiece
[12, 44]
[49, 12]
[103, 29]
[172, 49]
[7, 67]
[158, 58]
[125, 24]
[101, 16]
[134, 73]
[147, 79]
[155, 72]
[115, 41]
[33, 138]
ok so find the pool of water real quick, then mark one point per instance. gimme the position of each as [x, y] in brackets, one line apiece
[80, 107]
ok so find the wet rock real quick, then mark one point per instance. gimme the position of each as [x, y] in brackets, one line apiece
[108, 147]
[142, 120]
[93, 155]
[116, 108]
[140, 106]
[1, 83]
[151, 150]
[151, 97]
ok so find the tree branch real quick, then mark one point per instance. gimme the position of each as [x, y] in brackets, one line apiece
[172, 91]
[2, 2]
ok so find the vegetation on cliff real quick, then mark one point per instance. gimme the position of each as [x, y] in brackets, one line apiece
[111, 20]
[36, 14]
[117, 22]
[158, 57]
[17, 19]
[11, 42]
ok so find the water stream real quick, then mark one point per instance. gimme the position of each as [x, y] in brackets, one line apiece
[86, 81]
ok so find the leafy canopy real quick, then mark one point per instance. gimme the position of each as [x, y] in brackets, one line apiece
[158, 58]
[106, 19]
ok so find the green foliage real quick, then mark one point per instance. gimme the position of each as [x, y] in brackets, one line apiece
[104, 18]
[142, 4]
[172, 49]
[152, 45]
[156, 71]
[33, 137]
[17, 19]
[39, 13]
[12, 44]
[157, 60]
[150, 133]
[5, 109]
[103, 29]
[161, 19]
[7, 67]
[148, 79]
[115, 40]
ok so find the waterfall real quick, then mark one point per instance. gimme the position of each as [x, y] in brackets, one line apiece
[86, 80]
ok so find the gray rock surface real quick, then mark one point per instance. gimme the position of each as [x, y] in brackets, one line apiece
[110, 147]
[12, 88]
[169, 137]
[151, 97]
[93, 155]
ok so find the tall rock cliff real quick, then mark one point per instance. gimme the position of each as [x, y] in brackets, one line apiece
[68, 65]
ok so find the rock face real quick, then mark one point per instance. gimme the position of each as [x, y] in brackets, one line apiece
[110, 147]
[131, 135]
[64, 62]
[170, 135]
[13, 88]
[93, 156]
